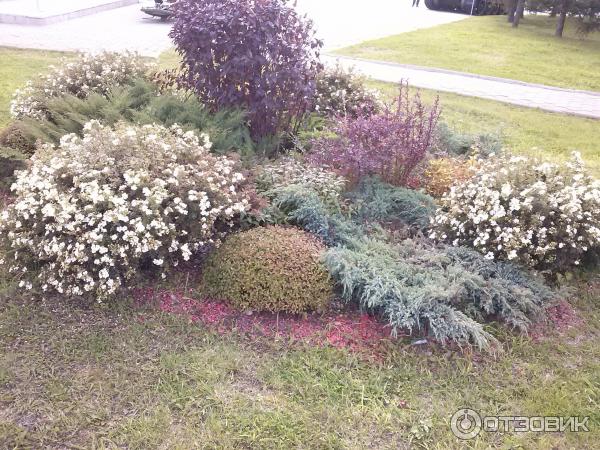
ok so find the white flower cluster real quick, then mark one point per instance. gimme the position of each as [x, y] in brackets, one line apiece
[88, 73]
[344, 93]
[89, 214]
[517, 208]
[287, 171]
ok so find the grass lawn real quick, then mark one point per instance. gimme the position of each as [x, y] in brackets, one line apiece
[524, 130]
[17, 66]
[114, 377]
[489, 46]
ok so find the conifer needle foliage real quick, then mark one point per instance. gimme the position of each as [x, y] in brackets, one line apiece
[448, 293]
[140, 103]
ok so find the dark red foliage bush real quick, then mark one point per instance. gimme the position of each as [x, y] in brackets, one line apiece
[389, 145]
[258, 55]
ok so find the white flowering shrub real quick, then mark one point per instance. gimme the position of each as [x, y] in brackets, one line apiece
[289, 171]
[89, 214]
[545, 215]
[88, 73]
[344, 93]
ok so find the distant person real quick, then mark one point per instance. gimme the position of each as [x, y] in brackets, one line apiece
[416, 3]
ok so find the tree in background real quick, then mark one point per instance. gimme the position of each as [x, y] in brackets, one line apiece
[587, 13]
[563, 8]
[518, 13]
[511, 7]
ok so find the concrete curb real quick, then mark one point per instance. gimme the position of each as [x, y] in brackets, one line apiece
[18, 19]
[546, 98]
[463, 74]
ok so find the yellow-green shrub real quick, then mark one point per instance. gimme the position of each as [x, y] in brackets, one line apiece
[269, 269]
[442, 173]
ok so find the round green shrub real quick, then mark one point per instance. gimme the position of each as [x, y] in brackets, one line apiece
[269, 269]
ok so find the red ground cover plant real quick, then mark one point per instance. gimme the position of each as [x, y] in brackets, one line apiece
[349, 330]
[560, 318]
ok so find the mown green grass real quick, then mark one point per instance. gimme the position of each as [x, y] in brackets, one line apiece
[78, 377]
[524, 130]
[17, 66]
[489, 46]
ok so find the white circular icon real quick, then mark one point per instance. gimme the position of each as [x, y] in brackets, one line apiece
[465, 423]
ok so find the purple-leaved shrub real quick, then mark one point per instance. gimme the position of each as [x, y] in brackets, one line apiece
[261, 56]
[389, 145]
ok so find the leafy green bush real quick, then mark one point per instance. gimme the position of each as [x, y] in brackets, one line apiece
[140, 103]
[269, 268]
[10, 160]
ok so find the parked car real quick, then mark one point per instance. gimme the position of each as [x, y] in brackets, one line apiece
[162, 9]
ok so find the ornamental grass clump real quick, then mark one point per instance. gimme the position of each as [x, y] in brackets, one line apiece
[389, 145]
[545, 215]
[92, 213]
[86, 74]
[269, 269]
[261, 56]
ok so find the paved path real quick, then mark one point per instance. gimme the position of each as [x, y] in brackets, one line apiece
[582, 103]
[44, 12]
[119, 29]
[341, 23]
[338, 22]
